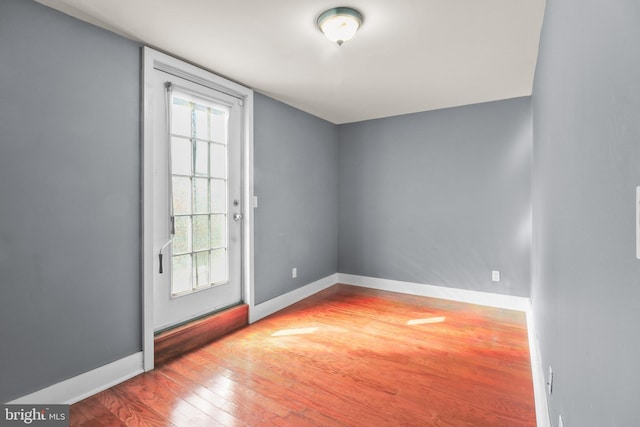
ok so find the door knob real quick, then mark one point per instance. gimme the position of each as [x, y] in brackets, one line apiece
[237, 217]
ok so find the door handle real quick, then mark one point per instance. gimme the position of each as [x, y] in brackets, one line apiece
[237, 217]
[160, 253]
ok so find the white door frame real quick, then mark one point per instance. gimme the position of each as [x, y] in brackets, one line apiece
[152, 59]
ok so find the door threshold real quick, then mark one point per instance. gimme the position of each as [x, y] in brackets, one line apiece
[187, 337]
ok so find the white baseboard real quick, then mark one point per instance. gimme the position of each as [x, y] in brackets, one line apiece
[84, 385]
[463, 295]
[537, 374]
[266, 308]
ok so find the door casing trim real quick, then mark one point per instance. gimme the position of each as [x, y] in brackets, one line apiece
[151, 60]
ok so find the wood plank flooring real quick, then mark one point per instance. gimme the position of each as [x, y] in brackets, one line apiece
[347, 356]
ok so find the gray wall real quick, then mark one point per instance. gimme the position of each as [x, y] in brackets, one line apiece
[296, 180]
[69, 198]
[441, 197]
[586, 279]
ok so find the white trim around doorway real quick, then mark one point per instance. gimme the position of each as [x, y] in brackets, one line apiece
[153, 59]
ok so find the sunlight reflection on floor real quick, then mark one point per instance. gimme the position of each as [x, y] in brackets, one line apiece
[301, 331]
[427, 320]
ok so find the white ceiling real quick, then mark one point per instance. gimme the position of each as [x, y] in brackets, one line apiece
[409, 55]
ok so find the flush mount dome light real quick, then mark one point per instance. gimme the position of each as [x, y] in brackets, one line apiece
[339, 24]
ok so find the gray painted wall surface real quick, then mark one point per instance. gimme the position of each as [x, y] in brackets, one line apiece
[441, 197]
[69, 191]
[586, 278]
[296, 179]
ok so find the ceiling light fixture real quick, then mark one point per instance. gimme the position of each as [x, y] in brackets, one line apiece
[339, 24]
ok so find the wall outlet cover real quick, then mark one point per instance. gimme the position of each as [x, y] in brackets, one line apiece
[495, 276]
[294, 273]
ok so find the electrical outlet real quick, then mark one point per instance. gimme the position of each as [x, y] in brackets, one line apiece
[495, 276]
[550, 381]
[294, 272]
[560, 422]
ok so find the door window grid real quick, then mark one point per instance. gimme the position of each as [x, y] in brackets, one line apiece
[199, 195]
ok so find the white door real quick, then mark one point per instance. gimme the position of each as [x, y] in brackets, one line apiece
[197, 199]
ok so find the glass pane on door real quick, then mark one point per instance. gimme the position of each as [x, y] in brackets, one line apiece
[199, 194]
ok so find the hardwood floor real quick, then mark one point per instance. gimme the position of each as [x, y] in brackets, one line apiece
[347, 356]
